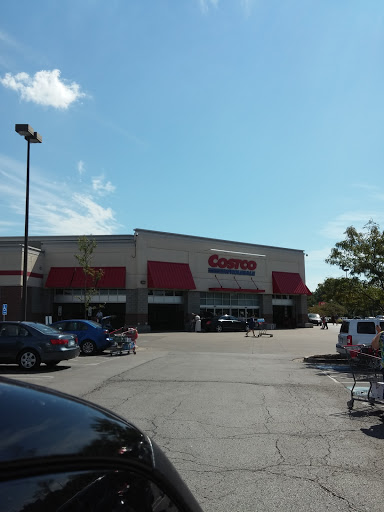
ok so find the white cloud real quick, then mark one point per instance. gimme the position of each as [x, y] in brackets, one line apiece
[86, 217]
[206, 4]
[56, 208]
[247, 6]
[44, 88]
[99, 186]
[335, 229]
[80, 167]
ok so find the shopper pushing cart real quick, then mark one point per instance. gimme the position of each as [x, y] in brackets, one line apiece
[367, 366]
[262, 327]
[124, 340]
[365, 369]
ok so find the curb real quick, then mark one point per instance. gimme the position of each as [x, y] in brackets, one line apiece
[326, 359]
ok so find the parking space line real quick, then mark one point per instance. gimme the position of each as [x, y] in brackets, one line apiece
[334, 380]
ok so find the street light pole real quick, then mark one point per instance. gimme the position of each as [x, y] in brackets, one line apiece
[30, 136]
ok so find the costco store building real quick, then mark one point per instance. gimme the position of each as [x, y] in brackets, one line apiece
[155, 280]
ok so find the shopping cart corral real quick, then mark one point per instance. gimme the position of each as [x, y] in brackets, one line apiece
[262, 327]
[123, 341]
[365, 365]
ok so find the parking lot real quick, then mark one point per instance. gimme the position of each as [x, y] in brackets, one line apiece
[248, 424]
[298, 344]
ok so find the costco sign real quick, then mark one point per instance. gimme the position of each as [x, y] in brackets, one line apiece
[231, 266]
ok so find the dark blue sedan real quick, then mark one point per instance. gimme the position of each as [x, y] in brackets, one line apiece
[29, 344]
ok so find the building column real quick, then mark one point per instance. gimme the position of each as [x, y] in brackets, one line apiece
[136, 309]
[191, 305]
[267, 308]
[301, 310]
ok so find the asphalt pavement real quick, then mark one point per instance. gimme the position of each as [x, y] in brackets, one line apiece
[249, 425]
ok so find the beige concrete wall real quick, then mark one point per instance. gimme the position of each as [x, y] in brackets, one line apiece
[109, 252]
[195, 251]
[134, 251]
[12, 259]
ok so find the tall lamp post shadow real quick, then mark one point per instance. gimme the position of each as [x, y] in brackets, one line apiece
[31, 137]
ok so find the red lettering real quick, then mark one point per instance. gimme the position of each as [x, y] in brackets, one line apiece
[215, 261]
[237, 263]
[230, 263]
[212, 262]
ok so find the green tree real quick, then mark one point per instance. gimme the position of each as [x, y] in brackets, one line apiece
[362, 255]
[346, 296]
[91, 275]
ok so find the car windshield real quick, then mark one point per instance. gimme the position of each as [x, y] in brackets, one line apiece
[45, 329]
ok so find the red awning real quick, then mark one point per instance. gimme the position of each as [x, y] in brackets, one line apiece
[74, 277]
[113, 277]
[289, 283]
[171, 276]
[60, 277]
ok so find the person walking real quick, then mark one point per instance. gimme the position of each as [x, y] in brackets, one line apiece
[191, 322]
[197, 323]
[378, 346]
[324, 322]
[251, 326]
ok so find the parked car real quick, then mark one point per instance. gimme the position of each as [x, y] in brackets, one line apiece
[29, 344]
[92, 336]
[63, 453]
[357, 331]
[314, 318]
[224, 323]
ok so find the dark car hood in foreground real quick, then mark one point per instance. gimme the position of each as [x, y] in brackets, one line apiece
[44, 431]
[66, 426]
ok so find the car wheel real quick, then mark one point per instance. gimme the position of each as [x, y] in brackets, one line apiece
[219, 328]
[88, 348]
[29, 360]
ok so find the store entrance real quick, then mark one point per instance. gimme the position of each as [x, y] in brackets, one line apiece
[283, 317]
[166, 317]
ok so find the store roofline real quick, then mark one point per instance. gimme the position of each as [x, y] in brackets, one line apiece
[65, 238]
[164, 233]
[131, 238]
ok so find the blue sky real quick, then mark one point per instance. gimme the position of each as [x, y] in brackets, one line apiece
[247, 120]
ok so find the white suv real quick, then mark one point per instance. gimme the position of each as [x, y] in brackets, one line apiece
[357, 331]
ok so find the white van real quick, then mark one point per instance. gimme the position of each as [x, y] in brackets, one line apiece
[357, 331]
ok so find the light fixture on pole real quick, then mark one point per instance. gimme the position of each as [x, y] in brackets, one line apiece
[31, 137]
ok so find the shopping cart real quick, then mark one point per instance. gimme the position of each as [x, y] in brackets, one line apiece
[123, 341]
[365, 367]
[262, 328]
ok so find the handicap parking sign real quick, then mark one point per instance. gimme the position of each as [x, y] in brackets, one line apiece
[5, 309]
